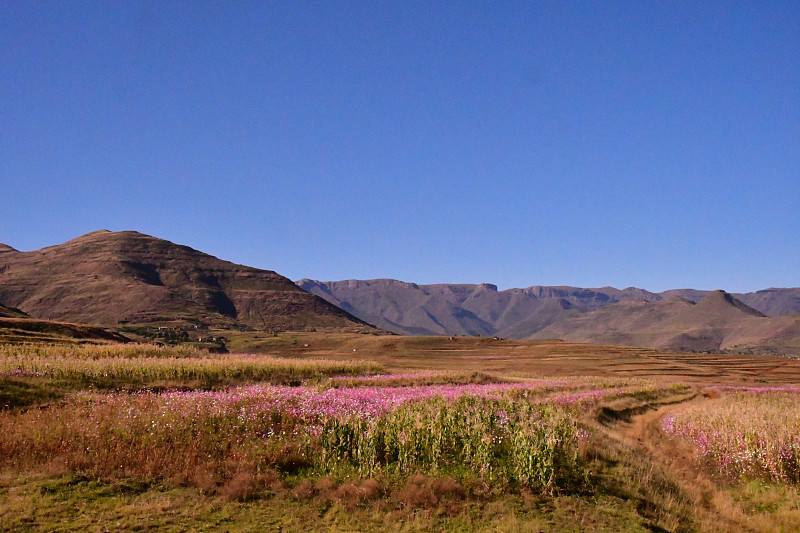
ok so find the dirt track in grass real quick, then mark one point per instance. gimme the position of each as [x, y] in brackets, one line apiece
[718, 504]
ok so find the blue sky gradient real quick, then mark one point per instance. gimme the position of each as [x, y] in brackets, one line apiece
[650, 144]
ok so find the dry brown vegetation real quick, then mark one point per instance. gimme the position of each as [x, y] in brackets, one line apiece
[628, 474]
[28, 330]
[538, 358]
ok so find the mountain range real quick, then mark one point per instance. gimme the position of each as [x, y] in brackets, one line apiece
[117, 278]
[684, 319]
[121, 279]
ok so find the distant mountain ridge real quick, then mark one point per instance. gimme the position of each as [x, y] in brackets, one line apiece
[718, 322]
[618, 316]
[118, 278]
[112, 278]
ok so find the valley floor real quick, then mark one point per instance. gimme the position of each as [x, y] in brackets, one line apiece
[334, 433]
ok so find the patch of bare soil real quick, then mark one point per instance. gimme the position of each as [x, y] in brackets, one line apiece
[645, 434]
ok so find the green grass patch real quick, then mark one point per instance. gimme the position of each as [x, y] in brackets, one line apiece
[427, 504]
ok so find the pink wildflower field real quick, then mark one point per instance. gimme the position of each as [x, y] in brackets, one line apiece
[747, 432]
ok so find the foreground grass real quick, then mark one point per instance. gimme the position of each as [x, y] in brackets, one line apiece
[502, 457]
[746, 433]
[31, 374]
[70, 504]
[143, 438]
[506, 433]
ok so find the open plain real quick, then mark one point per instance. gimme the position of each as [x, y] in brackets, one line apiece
[362, 432]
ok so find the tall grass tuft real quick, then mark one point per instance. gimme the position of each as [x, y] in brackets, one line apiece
[527, 444]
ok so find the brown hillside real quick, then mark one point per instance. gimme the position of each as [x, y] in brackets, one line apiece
[770, 302]
[718, 322]
[631, 323]
[773, 302]
[26, 330]
[113, 278]
[721, 305]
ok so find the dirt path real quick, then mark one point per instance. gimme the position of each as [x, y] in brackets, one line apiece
[677, 459]
[646, 429]
[645, 434]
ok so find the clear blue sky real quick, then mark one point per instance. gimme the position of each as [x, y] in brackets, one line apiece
[653, 144]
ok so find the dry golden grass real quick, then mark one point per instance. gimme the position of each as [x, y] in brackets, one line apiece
[640, 479]
[537, 358]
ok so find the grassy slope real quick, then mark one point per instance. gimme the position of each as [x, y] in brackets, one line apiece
[25, 329]
[11, 312]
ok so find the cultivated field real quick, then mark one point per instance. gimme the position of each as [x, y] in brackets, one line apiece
[371, 433]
